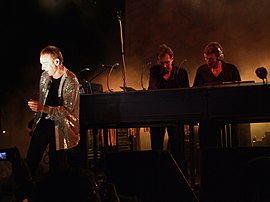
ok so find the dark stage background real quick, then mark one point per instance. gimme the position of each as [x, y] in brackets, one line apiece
[88, 33]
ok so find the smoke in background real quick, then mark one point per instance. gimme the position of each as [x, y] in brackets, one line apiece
[242, 28]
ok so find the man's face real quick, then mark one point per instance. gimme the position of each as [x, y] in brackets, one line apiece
[48, 64]
[210, 60]
[165, 61]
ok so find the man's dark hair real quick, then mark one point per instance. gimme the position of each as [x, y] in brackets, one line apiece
[164, 49]
[214, 47]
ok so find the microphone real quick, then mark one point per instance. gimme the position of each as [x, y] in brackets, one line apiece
[261, 72]
[110, 66]
[147, 64]
[119, 15]
[185, 60]
[85, 69]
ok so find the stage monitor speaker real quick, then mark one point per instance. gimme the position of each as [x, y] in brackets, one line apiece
[148, 175]
[235, 174]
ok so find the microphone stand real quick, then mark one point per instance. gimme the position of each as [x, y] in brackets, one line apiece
[185, 60]
[88, 86]
[108, 77]
[122, 52]
[144, 66]
[95, 76]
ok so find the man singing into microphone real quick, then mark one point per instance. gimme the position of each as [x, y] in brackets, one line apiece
[166, 75]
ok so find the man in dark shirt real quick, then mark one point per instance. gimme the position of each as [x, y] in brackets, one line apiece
[214, 71]
[165, 75]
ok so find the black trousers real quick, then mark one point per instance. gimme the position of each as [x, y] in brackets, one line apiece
[175, 141]
[210, 134]
[43, 136]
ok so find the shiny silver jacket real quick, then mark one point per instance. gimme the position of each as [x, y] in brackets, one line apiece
[66, 117]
